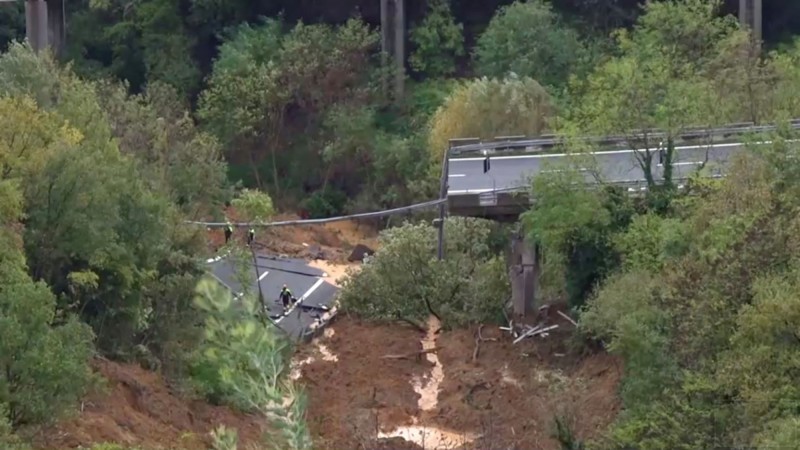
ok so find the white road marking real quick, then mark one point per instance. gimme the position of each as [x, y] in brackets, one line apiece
[610, 152]
[582, 169]
[685, 163]
[263, 274]
[457, 175]
[303, 297]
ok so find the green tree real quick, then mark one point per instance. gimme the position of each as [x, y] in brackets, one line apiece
[147, 41]
[262, 73]
[44, 363]
[530, 40]
[405, 281]
[104, 228]
[657, 81]
[438, 40]
[486, 108]
[251, 361]
[576, 227]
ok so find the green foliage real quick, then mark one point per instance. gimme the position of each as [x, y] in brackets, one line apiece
[263, 73]
[223, 438]
[43, 368]
[381, 169]
[703, 313]
[782, 433]
[12, 18]
[530, 40]
[251, 360]
[8, 440]
[565, 436]
[486, 108]
[650, 241]
[324, 203]
[105, 186]
[627, 315]
[139, 43]
[177, 158]
[576, 228]
[254, 205]
[405, 281]
[438, 40]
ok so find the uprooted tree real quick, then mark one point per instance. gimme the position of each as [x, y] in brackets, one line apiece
[405, 280]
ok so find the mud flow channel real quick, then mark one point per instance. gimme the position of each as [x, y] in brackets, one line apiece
[428, 389]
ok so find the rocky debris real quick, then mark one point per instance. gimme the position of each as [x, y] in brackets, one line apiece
[359, 252]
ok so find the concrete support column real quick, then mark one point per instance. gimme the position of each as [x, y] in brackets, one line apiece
[750, 15]
[36, 23]
[524, 275]
[56, 26]
[399, 48]
[393, 44]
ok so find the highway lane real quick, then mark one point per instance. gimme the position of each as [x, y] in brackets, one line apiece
[273, 273]
[466, 174]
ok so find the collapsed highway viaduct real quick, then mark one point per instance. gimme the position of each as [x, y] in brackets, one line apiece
[492, 179]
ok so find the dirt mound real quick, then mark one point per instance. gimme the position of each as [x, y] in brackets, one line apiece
[363, 391]
[140, 409]
[512, 393]
[509, 396]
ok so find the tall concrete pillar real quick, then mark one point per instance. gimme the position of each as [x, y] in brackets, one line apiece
[56, 25]
[36, 23]
[45, 24]
[393, 42]
[750, 15]
[399, 48]
[524, 275]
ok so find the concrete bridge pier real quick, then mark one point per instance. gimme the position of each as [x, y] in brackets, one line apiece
[523, 271]
[45, 24]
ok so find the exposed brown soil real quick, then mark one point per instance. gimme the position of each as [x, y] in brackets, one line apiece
[509, 396]
[350, 398]
[138, 408]
[336, 240]
[512, 393]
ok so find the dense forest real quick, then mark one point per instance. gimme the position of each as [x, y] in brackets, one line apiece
[161, 111]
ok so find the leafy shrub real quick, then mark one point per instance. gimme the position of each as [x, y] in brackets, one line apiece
[438, 40]
[251, 359]
[325, 203]
[529, 39]
[254, 205]
[490, 107]
[43, 369]
[405, 280]
[8, 440]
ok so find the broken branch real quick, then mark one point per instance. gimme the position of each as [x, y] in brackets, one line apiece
[568, 318]
[478, 339]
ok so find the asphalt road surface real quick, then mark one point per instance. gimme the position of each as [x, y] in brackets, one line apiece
[466, 175]
[305, 282]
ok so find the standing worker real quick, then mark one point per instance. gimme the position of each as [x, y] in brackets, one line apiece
[228, 231]
[286, 298]
[251, 236]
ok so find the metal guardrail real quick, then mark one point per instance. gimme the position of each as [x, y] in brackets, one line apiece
[520, 143]
[632, 184]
